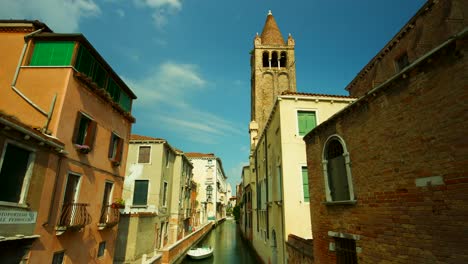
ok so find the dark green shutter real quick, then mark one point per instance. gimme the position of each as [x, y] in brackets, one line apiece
[305, 184]
[52, 53]
[140, 193]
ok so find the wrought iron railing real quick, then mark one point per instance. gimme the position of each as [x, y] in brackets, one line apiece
[74, 216]
[109, 216]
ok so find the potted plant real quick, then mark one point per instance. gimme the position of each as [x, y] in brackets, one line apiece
[82, 148]
[118, 203]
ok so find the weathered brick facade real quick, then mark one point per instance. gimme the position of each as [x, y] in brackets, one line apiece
[434, 23]
[408, 150]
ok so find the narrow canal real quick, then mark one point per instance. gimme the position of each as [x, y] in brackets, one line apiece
[227, 244]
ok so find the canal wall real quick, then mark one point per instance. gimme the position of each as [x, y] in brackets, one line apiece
[173, 253]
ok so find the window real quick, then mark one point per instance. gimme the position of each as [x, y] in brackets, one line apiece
[167, 157]
[115, 148]
[101, 249]
[71, 189]
[58, 257]
[85, 130]
[305, 184]
[283, 59]
[337, 171]
[52, 53]
[345, 251]
[107, 194]
[306, 121]
[402, 61]
[15, 171]
[278, 184]
[165, 194]
[140, 193]
[274, 59]
[265, 59]
[89, 66]
[144, 154]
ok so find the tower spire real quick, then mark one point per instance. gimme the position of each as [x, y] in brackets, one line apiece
[271, 34]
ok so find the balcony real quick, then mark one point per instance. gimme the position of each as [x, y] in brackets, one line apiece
[74, 217]
[109, 217]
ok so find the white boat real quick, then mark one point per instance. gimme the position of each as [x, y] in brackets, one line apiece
[200, 253]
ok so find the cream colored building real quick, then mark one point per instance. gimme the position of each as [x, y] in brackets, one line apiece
[279, 169]
[148, 222]
[276, 197]
[209, 175]
[180, 208]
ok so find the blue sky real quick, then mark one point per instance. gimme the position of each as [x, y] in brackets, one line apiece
[188, 60]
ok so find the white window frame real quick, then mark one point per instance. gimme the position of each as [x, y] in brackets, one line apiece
[348, 170]
[78, 187]
[27, 175]
[138, 155]
[296, 118]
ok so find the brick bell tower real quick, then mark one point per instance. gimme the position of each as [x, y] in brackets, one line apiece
[273, 71]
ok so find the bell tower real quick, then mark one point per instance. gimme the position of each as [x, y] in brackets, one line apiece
[273, 71]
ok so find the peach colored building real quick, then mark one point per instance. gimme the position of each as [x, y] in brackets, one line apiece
[59, 85]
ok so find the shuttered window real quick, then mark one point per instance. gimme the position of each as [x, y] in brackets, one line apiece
[306, 121]
[144, 154]
[115, 148]
[140, 193]
[305, 184]
[85, 129]
[52, 53]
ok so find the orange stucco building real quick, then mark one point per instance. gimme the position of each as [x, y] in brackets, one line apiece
[59, 86]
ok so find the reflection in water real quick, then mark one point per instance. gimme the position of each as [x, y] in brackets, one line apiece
[227, 244]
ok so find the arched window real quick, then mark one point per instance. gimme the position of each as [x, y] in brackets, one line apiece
[274, 59]
[273, 238]
[283, 59]
[337, 171]
[265, 59]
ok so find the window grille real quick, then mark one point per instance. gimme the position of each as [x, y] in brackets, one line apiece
[345, 251]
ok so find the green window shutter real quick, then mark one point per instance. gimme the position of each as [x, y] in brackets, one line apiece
[305, 184]
[306, 122]
[52, 53]
[140, 193]
[125, 102]
[84, 62]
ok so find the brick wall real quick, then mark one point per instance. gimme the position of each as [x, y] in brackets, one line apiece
[299, 250]
[433, 24]
[413, 129]
[174, 252]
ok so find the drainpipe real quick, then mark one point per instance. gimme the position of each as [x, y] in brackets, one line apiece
[15, 78]
[54, 190]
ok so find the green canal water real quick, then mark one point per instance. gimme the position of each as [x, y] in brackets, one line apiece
[227, 244]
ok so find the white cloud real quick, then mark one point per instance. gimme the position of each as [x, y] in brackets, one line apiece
[120, 12]
[161, 9]
[164, 98]
[59, 15]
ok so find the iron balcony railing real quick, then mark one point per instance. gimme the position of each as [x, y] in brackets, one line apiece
[109, 216]
[74, 216]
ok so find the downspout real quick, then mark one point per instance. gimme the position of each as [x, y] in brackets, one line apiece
[15, 78]
[267, 191]
[54, 190]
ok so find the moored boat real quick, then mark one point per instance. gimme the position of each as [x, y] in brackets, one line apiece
[200, 253]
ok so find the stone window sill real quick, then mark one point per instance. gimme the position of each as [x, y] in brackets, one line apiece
[347, 202]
